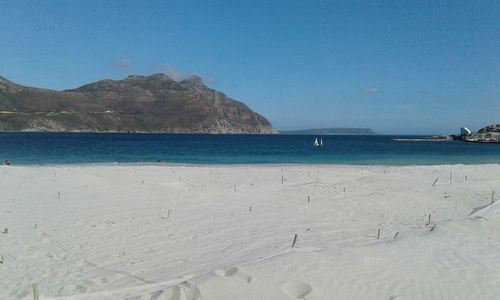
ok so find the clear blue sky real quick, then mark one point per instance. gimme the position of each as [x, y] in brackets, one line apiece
[399, 67]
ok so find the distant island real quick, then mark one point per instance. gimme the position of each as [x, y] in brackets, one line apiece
[489, 134]
[332, 131]
[153, 103]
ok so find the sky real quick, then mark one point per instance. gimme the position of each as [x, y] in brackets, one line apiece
[397, 67]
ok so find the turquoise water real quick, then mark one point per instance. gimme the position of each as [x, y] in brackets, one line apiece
[71, 148]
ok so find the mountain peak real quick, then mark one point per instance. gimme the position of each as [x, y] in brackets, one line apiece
[159, 76]
[193, 80]
[152, 77]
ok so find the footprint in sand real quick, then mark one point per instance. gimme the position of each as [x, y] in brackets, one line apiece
[296, 289]
[234, 273]
[183, 291]
[72, 289]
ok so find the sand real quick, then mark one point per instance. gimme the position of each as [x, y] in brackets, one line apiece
[226, 232]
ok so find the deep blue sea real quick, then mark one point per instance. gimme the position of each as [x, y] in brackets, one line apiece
[76, 148]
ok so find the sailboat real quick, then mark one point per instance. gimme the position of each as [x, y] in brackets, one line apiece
[316, 144]
[321, 142]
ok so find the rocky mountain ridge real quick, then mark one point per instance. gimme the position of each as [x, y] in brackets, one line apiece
[495, 128]
[154, 103]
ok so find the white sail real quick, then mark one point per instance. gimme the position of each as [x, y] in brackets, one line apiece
[321, 142]
[316, 144]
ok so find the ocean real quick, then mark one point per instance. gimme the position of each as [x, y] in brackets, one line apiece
[25, 148]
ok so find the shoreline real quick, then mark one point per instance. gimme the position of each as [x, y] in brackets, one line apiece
[256, 165]
[172, 164]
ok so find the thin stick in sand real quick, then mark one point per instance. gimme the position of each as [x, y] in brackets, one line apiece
[429, 220]
[435, 182]
[492, 196]
[396, 235]
[35, 292]
[308, 199]
[294, 240]
[378, 234]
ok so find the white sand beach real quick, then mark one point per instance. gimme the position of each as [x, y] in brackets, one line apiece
[225, 232]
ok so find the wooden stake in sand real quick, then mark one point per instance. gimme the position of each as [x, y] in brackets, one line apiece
[433, 226]
[1, 259]
[429, 221]
[396, 235]
[435, 182]
[234, 186]
[282, 180]
[465, 178]
[378, 234]
[492, 196]
[294, 240]
[250, 208]
[35, 292]
[168, 214]
[344, 192]
[308, 199]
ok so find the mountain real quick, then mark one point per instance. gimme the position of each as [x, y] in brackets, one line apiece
[332, 131]
[153, 103]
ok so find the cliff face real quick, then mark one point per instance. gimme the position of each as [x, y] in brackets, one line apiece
[154, 103]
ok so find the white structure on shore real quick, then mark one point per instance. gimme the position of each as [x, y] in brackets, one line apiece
[464, 131]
